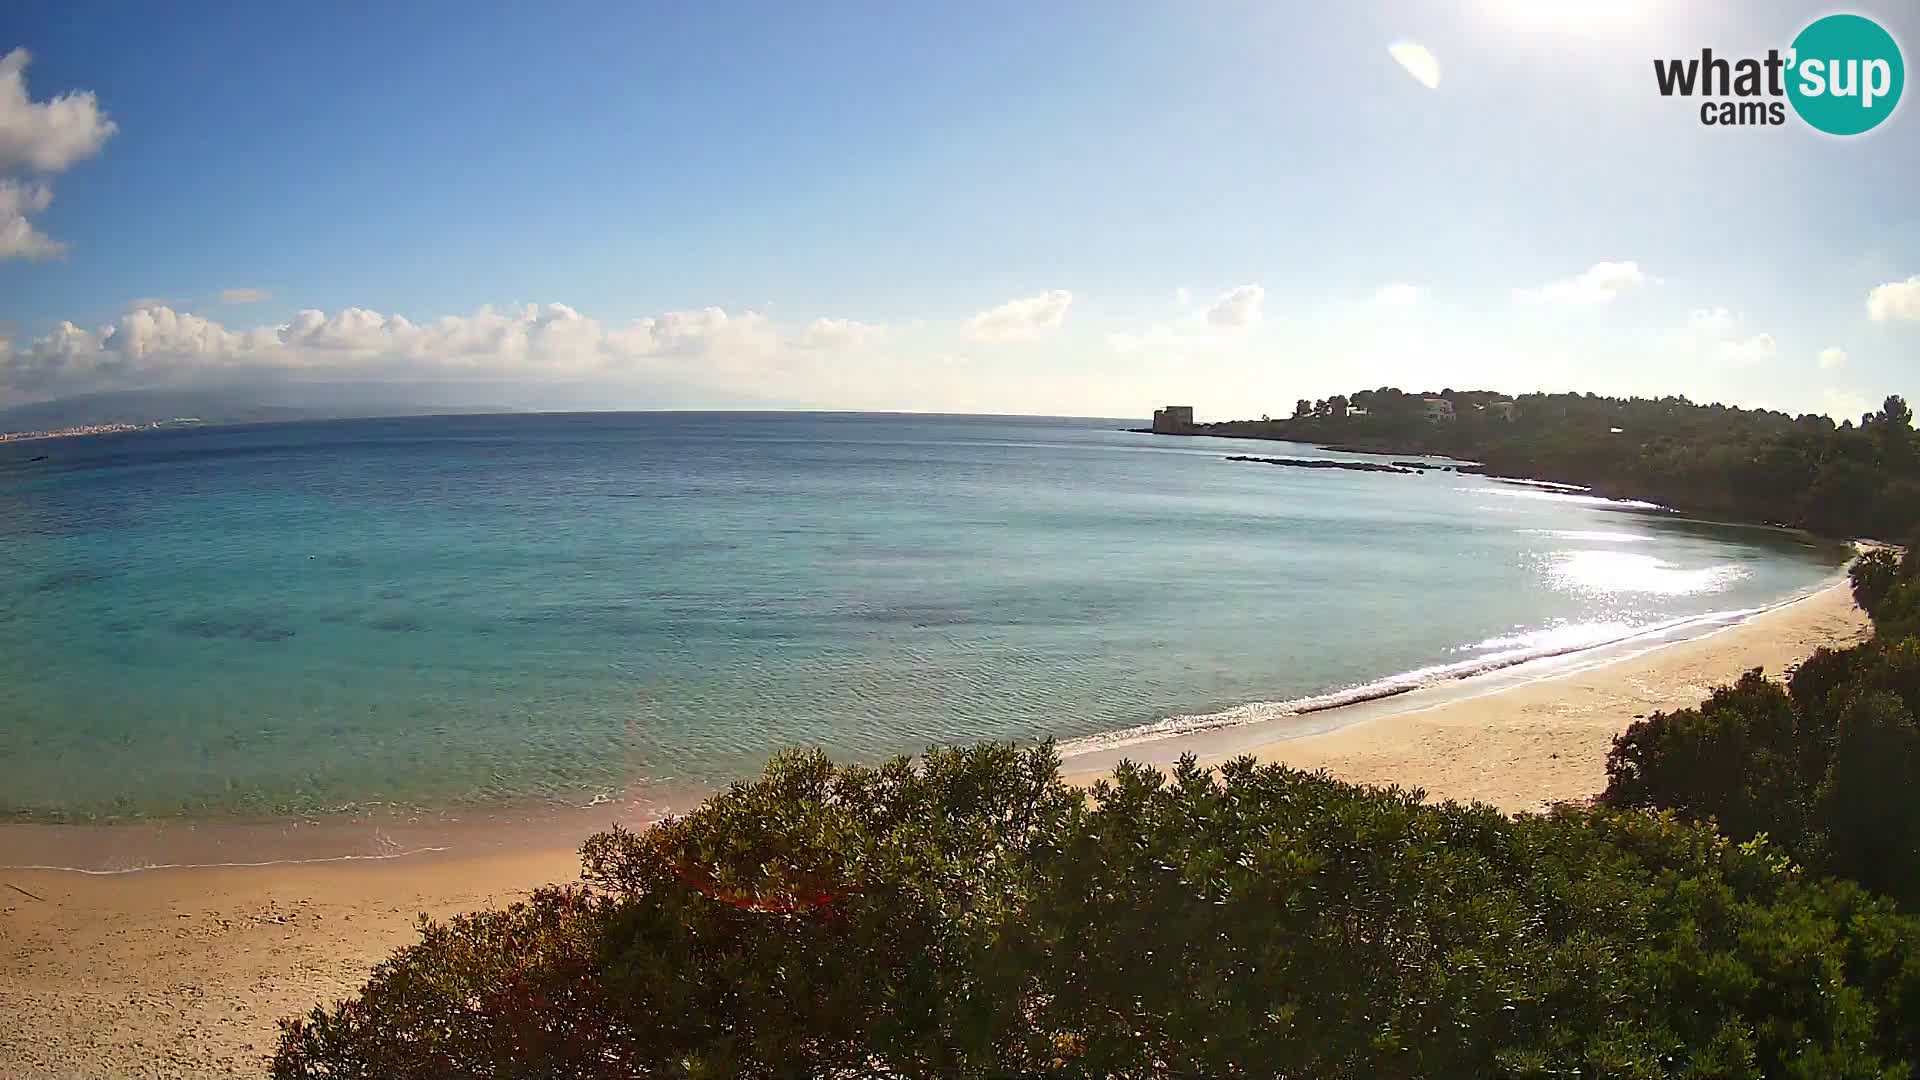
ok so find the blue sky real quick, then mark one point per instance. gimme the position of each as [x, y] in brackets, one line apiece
[1085, 209]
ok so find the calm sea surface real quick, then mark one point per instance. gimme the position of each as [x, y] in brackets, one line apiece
[438, 612]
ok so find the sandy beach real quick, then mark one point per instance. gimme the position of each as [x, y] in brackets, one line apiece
[1528, 746]
[182, 972]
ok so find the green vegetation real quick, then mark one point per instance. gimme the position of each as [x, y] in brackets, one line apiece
[1886, 584]
[1751, 465]
[969, 914]
[1827, 767]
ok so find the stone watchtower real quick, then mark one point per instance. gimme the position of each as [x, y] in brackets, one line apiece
[1173, 420]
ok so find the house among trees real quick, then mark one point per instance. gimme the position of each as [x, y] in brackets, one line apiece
[1438, 408]
[1500, 410]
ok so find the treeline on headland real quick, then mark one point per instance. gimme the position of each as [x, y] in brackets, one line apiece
[1847, 479]
[1740, 904]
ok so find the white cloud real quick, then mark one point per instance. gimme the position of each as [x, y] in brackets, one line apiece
[1230, 317]
[1754, 350]
[46, 136]
[838, 334]
[243, 296]
[18, 238]
[1600, 284]
[1022, 319]
[1418, 62]
[1716, 322]
[1399, 294]
[162, 331]
[1237, 307]
[1896, 300]
[157, 344]
[39, 137]
[1832, 357]
[1715, 334]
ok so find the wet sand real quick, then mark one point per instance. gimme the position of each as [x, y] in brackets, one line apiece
[182, 972]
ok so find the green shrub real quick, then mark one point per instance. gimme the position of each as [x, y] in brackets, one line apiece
[1828, 768]
[969, 914]
[1735, 756]
[1873, 575]
[1869, 818]
[1886, 584]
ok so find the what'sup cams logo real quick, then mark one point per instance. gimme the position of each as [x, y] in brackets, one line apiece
[1842, 75]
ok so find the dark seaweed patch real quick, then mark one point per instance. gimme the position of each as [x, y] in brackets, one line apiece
[237, 626]
[918, 615]
[69, 579]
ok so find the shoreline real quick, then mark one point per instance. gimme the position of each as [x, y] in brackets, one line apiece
[184, 971]
[1530, 742]
[1244, 727]
[1475, 467]
[1262, 723]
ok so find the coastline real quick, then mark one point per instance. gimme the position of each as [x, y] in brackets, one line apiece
[184, 971]
[1509, 471]
[1533, 741]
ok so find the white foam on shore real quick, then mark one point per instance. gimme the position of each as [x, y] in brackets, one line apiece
[118, 870]
[1604, 641]
[1546, 484]
[1558, 494]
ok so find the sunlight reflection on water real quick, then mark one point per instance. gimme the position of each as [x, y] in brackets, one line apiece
[1595, 572]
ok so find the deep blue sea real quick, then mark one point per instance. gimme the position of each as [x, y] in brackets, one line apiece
[437, 612]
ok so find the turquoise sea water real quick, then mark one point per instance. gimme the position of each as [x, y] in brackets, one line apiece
[438, 612]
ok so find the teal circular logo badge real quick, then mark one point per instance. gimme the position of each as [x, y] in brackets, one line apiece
[1846, 74]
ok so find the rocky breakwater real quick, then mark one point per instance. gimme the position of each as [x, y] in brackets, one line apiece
[1406, 468]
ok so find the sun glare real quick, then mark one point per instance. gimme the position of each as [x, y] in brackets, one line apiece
[1421, 64]
[1583, 15]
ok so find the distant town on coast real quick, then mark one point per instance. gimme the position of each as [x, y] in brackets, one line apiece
[96, 429]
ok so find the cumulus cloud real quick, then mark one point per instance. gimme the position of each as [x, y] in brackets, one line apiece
[1832, 357]
[1399, 294]
[43, 137]
[1757, 349]
[1896, 300]
[46, 136]
[157, 344]
[1418, 62]
[1229, 317]
[1600, 284]
[243, 296]
[1713, 321]
[1022, 319]
[1239, 307]
[18, 238]
[838, 334]
[1715, 331]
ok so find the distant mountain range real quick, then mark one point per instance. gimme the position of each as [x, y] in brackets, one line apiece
[231, 405]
